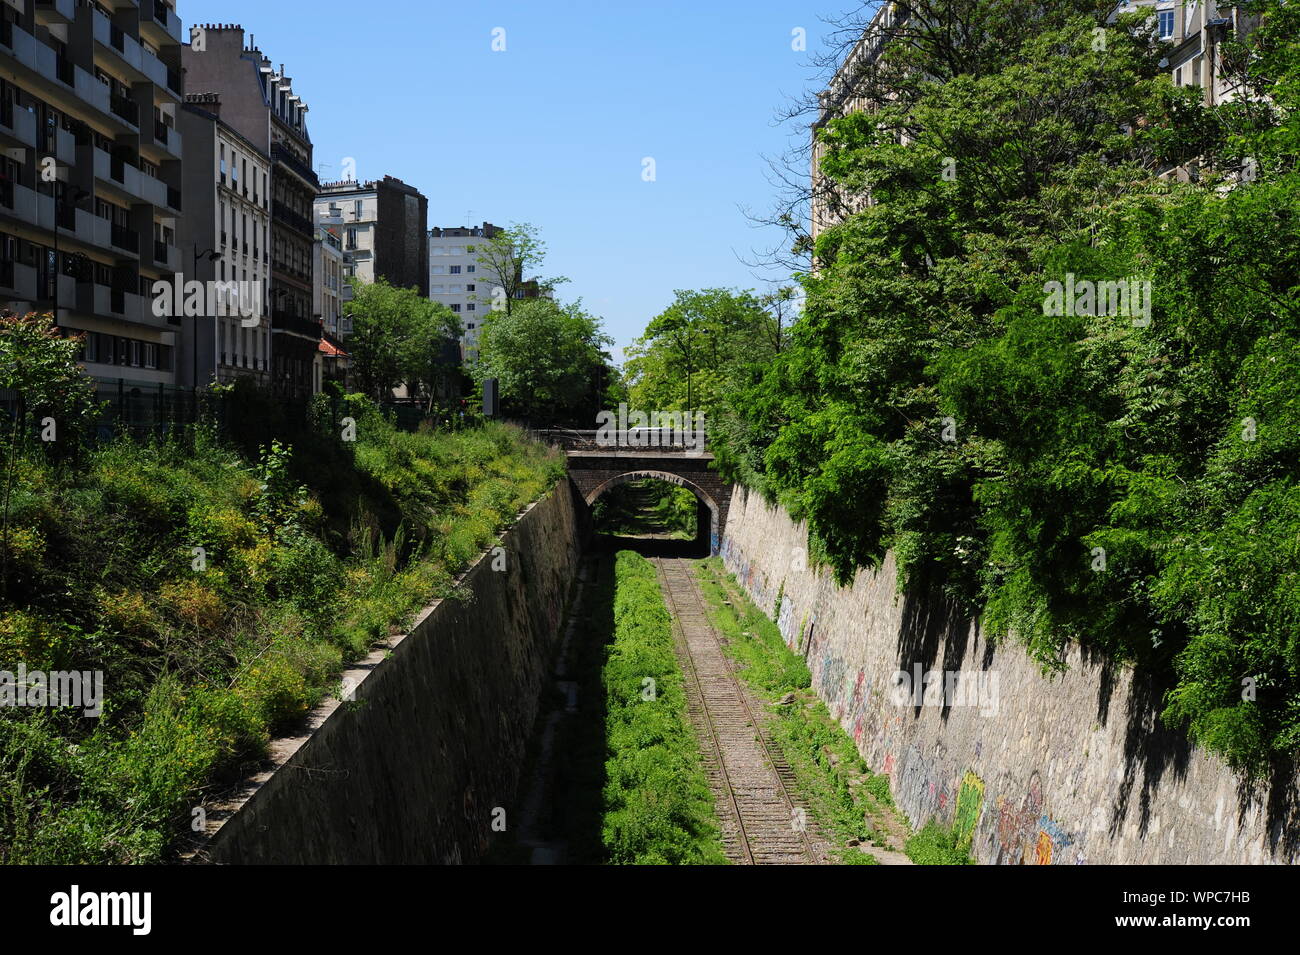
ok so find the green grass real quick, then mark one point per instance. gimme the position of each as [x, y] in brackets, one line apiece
[658, 806]
[311, 556]
[935, 845]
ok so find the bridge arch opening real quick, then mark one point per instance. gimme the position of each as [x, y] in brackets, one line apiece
[709, 516]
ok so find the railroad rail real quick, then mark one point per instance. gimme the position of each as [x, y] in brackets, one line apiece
[762, 823]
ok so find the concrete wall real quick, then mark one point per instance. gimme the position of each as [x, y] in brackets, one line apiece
[1058, 770]
[411, 771]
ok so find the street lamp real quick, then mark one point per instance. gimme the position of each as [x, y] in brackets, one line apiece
[212, 255]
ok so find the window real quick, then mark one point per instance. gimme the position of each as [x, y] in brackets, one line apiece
[470, 287]
[455, 308]
[223, 165]
[352, 239]
[358, 208]
[469, 268]
[455, 270]
[438, 269]
[439, 250]
[150, 355]
[456, 250]
[469, 324]
[469, 307]
[1165, 21]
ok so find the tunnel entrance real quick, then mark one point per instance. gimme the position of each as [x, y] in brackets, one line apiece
[654, 514]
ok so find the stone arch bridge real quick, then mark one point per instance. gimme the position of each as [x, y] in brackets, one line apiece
[622, 456]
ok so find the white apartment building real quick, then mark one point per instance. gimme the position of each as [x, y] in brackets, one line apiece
[354, 212]
[458, 279]
[226, 239]
[327, 295]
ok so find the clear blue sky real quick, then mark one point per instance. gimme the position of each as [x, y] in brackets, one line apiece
[553, 130]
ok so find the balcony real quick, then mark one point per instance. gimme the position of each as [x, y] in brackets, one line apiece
[294, 164]
[27, 205]
[118, 303]
[166, 257]
[65, 147]
[18, 282]
[280, 213]
[124, 108]
[110, 36]
[115, 171]
[167, 137]
[56, 11]
[292, 324]
[159, 23]
[17, 126]
[125, 239]
[151, 190]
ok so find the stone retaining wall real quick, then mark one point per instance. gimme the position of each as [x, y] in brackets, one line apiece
[413, 769]
[1033, 769]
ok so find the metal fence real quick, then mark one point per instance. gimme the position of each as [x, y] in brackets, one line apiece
[145, 410]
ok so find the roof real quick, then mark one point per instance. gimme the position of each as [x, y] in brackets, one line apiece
[331, 350]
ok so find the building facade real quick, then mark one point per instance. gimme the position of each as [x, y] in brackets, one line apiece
[383, 225]
[225, 235]
[91, 175]
[460, 281]
[259, 103]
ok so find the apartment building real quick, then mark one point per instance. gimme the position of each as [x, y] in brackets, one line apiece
[460, 281]
[384, 226]
[259, 103]
[91, 175]
[328, 294]
[1194, 29]
[328, 303]
[225, 239]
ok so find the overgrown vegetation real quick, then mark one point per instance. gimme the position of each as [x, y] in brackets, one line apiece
[1086, 476]
[647, 507]
[935, 845]
[851, 804]
[658, 806]
[220, 595]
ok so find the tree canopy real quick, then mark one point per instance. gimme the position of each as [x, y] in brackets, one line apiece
[399, 337]
[1075, 477]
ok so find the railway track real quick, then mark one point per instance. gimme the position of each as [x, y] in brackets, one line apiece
[762, 823]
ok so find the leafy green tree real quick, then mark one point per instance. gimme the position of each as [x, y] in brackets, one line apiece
[507, 259]
[693, 351]
[38, 368]
[398, 337]
[1088, 476]
[550, 361]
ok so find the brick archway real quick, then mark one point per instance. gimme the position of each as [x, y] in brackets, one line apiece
[594, 472]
